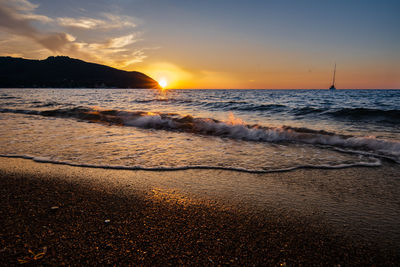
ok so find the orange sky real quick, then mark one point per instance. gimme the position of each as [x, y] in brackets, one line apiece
[216, 44]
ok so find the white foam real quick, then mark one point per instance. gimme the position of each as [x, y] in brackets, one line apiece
[237, 129]
[241, 131]
[376, 163]
[150, 121]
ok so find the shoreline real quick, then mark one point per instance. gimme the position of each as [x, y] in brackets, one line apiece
[199, 167]
[154, 220]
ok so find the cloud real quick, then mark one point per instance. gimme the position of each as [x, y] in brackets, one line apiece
[56, 41]
[121, 41]
[112, 52]
[120, 20]
[13, 45]
[112, 45]
[108, 21]
[16, 17]
[84, 23]
[10, 22]
[23, 10]
[20, 5]
[136, 56]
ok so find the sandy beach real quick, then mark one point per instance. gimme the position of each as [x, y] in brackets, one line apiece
[62, 215]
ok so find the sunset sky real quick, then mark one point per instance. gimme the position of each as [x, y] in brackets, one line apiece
[218, 43]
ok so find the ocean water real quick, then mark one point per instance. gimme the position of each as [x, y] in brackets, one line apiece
[244, 130]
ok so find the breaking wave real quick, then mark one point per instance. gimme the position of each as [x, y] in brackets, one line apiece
[391, 116]
[234, 128]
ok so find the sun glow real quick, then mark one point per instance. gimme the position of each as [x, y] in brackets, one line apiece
[175, 76]
[163, 83]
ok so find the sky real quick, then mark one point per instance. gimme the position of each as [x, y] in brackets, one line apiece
[269, 44]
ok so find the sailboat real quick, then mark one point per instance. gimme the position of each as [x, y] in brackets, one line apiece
[333, 82]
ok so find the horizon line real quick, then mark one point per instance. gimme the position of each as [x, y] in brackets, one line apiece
[166, 89]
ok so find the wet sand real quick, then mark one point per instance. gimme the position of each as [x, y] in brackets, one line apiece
[55, 214]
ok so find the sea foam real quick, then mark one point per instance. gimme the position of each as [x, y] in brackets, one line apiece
[233, 128]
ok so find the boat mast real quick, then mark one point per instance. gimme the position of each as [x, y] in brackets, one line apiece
[334, 74]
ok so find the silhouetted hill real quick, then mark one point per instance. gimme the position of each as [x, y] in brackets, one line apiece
[65, 72]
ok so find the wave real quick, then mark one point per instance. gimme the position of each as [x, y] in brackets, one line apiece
[376, 163]
[367, 113]
[219, 105]
[265, 107]
[362, 114]
[392, 116]
[306, 111]
[234, 128]
[9, 97]
[386, 116]
[38, 104]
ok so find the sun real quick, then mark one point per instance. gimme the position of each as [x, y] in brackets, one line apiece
[163, 83]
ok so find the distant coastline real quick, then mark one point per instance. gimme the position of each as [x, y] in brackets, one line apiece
[66, 72]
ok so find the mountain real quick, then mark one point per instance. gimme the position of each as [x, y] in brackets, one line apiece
[65, 72]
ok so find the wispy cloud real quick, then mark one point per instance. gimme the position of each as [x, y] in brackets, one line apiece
[23, 10]
[37, 17]
[84, 23]
[122, 41]
[107, 21]
[17, 17]
[115, 44]
[20, 5]
[115, 51]
[121, 20]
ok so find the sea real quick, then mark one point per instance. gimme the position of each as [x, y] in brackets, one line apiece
[256, 131]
